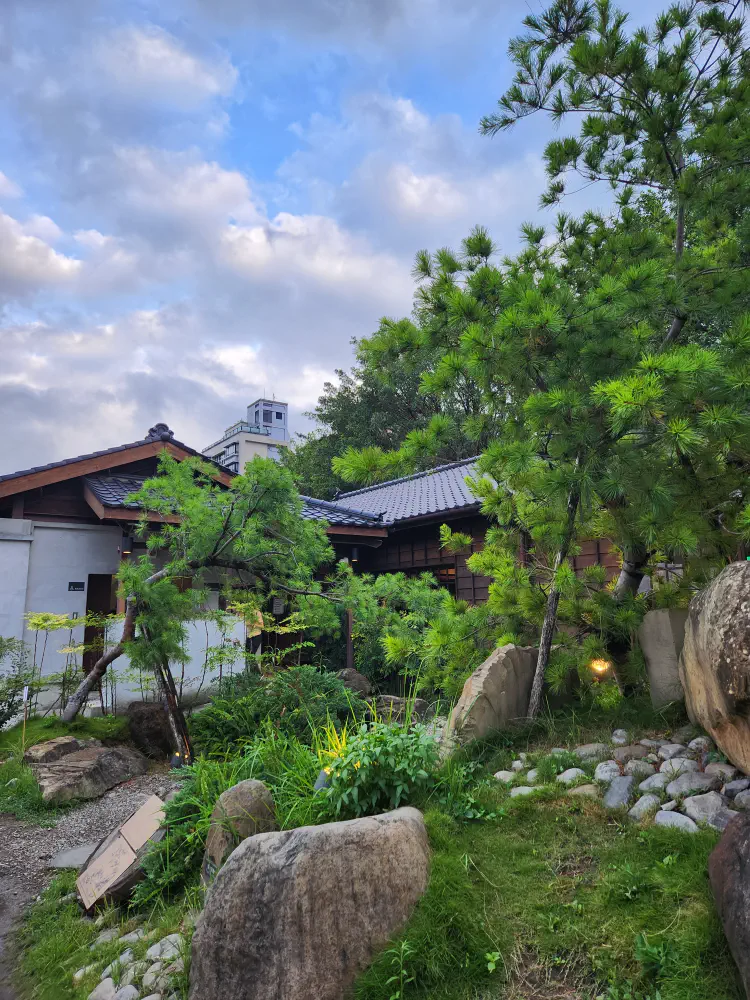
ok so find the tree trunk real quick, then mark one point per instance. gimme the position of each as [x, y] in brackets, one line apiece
[550, 613]
[634, 562]
[78, 698]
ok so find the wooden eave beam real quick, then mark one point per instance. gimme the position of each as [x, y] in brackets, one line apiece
[123, 513]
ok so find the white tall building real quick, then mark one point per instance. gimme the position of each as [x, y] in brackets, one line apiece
[265, 432]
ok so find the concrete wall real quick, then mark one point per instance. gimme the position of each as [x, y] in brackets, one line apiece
[39, 559]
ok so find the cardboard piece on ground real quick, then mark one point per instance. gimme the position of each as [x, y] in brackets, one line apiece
[143, 824]
[104, 870]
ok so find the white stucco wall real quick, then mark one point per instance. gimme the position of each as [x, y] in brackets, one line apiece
[37, 562]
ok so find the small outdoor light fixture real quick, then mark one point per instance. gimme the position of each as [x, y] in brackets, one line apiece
[355, 554]
[177, 760]
[600, 666]
[127, 545]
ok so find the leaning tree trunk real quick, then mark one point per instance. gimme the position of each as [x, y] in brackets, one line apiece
[634, 563]
[550, 612]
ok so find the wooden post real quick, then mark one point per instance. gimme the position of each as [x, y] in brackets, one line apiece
[349, 639]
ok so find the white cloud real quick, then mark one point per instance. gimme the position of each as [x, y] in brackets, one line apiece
[146, 62]
[27, 262]
[8, 188]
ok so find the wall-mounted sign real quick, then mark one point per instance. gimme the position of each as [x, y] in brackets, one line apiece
[77, 585]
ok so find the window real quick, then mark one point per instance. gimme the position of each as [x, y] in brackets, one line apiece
[232, 449]
[279, 415]
[266, 416]
[257, 416]
[234, 466]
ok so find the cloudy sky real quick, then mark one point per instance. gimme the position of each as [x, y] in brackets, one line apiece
[202, 201]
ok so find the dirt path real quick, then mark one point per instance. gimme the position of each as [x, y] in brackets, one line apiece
[26, 850]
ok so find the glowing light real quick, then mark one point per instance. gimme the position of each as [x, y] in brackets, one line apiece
[600, 666]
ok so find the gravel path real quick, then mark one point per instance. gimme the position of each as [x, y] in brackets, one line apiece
[25, 850]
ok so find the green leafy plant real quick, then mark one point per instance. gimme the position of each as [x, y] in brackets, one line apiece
[383, 766]
[492, 957]
[401, 978]
[553, 764]
[659, 959]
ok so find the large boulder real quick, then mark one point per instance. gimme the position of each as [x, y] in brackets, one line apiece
[88, 773]
[715, 666]
[148, 726]
[496, 693]
[300, 913]
[52, 750]
[661, 637]
[392, 708]
[729, 872]
[355, 681]
[240, 812]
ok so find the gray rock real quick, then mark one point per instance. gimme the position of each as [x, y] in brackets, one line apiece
[645, 805]
[653, 744]
[392, 708]
[168, 947]
[656, 783]
[585, 791]
[606, 771]
[241, 811]
[570, 776]
[685, 733]
[156, 996]
[742, 800]
[355, 681]
[671, 750]
[676, 820]
[532, 775]
[517, 766]
[107, 935]
[653, 759]
[660, 636]
[127, 993]
[692, 783]
[633, 752]
[89, 773]
[591, 751]
[78, 976]
[104, 991]
[677, 766]
[505, 776]
[300, 913]
[640, 769]
[732, 788]
[729, 874]
[709, 808]
[152, 974]
[620, 737]
[521, 790]
[701, 744]
[727, 772]
[669, 806]
[133, 936]
[497, 692]
[120, 963]
[133, 973]
[52, 750]
[619, 793]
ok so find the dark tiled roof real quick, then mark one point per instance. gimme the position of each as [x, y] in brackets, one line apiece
[334, 513]
[111, 491]
[165, 436]
[433, 492]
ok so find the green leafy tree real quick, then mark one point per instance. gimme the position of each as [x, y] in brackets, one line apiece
[249, 536]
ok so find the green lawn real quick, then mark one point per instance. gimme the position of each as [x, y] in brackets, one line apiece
[37, 730]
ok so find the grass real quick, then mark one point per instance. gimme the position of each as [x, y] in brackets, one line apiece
[56, 943]
[109, 728]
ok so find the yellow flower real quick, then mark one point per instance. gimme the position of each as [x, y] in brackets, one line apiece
[357, 763]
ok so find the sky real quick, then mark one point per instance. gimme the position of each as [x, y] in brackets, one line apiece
[204, 201]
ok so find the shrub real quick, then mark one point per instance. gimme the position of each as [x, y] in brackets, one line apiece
[15, 674]
[296, 701]
[381, 768]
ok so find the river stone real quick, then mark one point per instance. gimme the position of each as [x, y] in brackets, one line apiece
[104, 991]
[653, 744]
[300, 913]
[640, 769]
[670, 750]
[532, 775]
[715, 665]
[725, 771]
[733, 788]
[127, 993]
[619, 792]
[742, 800]
[166, 949]
[355, 681]
[709, 808]
[701, 744]
[392, 708]
[644, 805]
[692, 783]
[89, 773]
[676, 820]
[669, 806]
[632, 752]
[505, 776]
[517, 766]
[678, 765]
[606, 771]
[591, 751]
[520, 791]
[729, 873]
[121, 962]
[571, 775]
[241, 811]
[620, 737]
[133, 972]
[496, 693]
[655, 783]
[585, 791]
